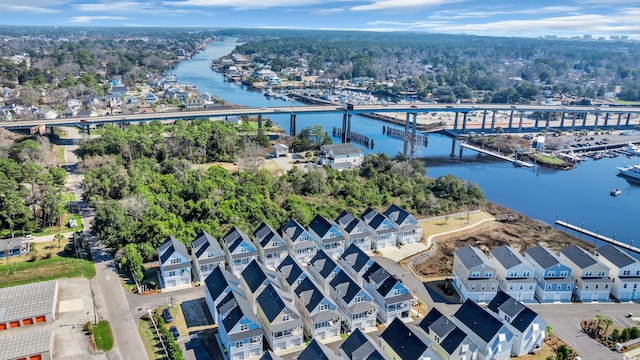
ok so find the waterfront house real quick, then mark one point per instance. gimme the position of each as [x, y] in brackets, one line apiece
[290, 273]
[389, 293]
[238, 250]
[358, 233]
[14, 247]
[317, 351]
[591, 276]
[553, 278]
[175, 265]
[239, 330]
[206, 255]
[255, 278]
[119, 90]
[327, 235]
[625, 272]
[281, 321]
[355, 262]
[355, 304]
[514, 274]
[527, 327]
[447, 339]
[400, 342]
[271, 247]
[150, 98]
[193, 103]
[473, 277]
[341, 156]
[320, 314]
[409, 231]
[300, 241]
[359, 346]
[385, 232]
[279, 150]
[493, 339]
[216, 286]
[323, 269]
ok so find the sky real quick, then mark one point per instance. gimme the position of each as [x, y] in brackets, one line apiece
[516, 18]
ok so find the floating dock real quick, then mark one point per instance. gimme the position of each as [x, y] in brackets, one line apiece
[499, 156]
[598, 236]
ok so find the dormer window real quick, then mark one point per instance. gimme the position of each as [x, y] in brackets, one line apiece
[359, 230]
[552, 274]
[244, 327]
[601, 273]
[274, 244]
[210, 255]
[285, 317]
[332, 235]
[564, 273]
[396, 292]
[359, 298]
[176, 261]
[475, 274]
[588, 273]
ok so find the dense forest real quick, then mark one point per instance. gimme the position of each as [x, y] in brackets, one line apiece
[144, 186]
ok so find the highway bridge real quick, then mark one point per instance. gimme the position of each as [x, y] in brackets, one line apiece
[546, 117]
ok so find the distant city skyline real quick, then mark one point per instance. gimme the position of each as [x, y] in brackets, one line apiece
[598, 18]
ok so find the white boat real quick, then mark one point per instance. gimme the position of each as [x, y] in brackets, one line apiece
[632, 149]
[632, 171]
[616, 192]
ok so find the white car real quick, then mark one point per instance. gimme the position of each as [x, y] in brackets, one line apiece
[28, 237]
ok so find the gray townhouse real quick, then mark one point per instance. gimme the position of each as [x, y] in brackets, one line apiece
[385, 232]
[514, 274]
[409, 231]
[493, 339]
[401, 342]
[290, 273]
[301, 243]
[271, 247]
[553, 278]
[360, 346]
[591, 276]
[282, 324]
[323, 269]
[216, 286]
[206, 255]
[355, 262]
[389, 293]
[448, 340]
[319, 313]
[355, 304]
[625, 272]
[238, 250]
[239, 331]
[473, 276]
[358, 233]
[255, 278]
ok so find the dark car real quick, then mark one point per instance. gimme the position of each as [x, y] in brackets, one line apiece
[175, 332]
[166, 315]
[414, 106]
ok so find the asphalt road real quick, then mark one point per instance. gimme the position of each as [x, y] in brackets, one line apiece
[108, 294]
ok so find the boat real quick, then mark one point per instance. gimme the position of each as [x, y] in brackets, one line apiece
[615, 192]
[632, 171]
[632, 149]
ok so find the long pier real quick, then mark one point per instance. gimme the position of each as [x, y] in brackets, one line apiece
[495, 154]
[598, 236]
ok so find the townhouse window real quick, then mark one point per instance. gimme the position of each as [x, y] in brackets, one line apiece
[473, 287]
[320, 325]
[526, 274]
[332, 235]
[551, 274]
[606, 286]
[359, 230]
[385, 226]
[243, 250]
[502, 337]
[635, 286]
[548, 286]
[586, 286]
[285, 317]
[274, 244]
[530, 287]
[513, 274]
[568, 286]
[244, 327]
[493, 287]
[172, 273]
[176, 261]
[564, 273]
[255, 340]
[203, 267]
[483, 287]
[588, 273]
[303, 238]
[210, 254]
[510, 287]
[323, 307]
[475, 274]
[626, 273]
[624, 286]
[396, 292]
[359, 298]
[488, 274]
[358, 316]
[237, 261]
[239, 344]
[559, 287]
[521, 287]
[600, 273]
[597, 286]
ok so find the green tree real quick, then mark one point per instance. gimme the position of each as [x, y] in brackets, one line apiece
[13, 210]
[132, 260]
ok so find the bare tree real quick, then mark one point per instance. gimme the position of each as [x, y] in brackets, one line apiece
[136, 206]
[250, 157]
[30, 96]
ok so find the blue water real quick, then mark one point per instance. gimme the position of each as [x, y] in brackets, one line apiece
[579, 196]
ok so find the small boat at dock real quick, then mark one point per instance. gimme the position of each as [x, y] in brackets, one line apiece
[615, 192]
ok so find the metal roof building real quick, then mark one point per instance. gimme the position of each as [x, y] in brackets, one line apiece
[29, 304]
[32, 345]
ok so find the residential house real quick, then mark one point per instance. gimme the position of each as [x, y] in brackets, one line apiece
[290, 273]
[238, 250]
[175, 264]
[473, 277]
[206, 255]
[553, 278]
[279, 150]
[239, 330]
[272, 249]
[591, 276]
[385, 232]
[130, 100]
[357, 231]
[150, 98]
[323, 269]
[119, 90]
[6, 93]
[320, 315]
[399, 342]
[301, 243]
[448, 340]
[182, 95]
[327, 235]
[216, 286]
[171, 93]
[341, 156]
[514, 274]
[527, 327]
[113, 101]
[74, 105]
[409, 231]
[14, 247]
[317, 351]
[355, 262]
[389, 293]
[194, 103]
[255, 278]
[283, 326]
[86, 113]
[625, 272]
[355, 304]
[264, 74]
[493, 339]
[359, 346]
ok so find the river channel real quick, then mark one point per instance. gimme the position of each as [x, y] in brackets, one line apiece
[579, 196]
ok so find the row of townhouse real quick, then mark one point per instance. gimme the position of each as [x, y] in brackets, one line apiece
[543, 276]
[371, 231]
[503, 329]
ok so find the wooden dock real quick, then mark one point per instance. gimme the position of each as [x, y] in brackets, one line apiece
[598, 236]
[495, 154]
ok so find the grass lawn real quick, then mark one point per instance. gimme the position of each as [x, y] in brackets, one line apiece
[150, 340]
[103, 336]
[61, 158]
[436, 226]
[45, 269]
[544, 353]
[549, 159]
[41, 250]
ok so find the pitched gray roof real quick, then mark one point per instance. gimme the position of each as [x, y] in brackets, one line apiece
[234, 238]
[241, 309]
[317, 351]
[355, 257]
[471, 256]
[478, 320]
[543, 256]
[341, 149]
[403, 341]
[205, 244]
[359, 346]
[292, 229]
[321, 226]
[269, 355]
[169, 247]
[255, 275]
[506, 256]
[290, 269]
[396, 214]
[218, 280]
[450, 335]
[615, 255]
[579, 256]
[265, 234]
[309, 294]
[344, 286]
[344, 218]
[26, 301]
[323, 263]
[505, 303]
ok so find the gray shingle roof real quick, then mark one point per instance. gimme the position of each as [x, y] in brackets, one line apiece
[317, 351]
[309, 294]
[270, 302]
[615, 256]
[292, 229]
[26, 343]
[450, 335]
[403, 341]
[321, 225]
[204, 244]
[218, 280]
[471, 256]
[341, 149]
[396, 214]
[505, 303]
[25, 301]
[506, 256]
[359, 346]
[265, 235]
[323, 263]
[345, 286]
[255, 275]
[578, 256]
[478, 320]
[543, 256]
[171, 246]
[355, 257]
[290, 269]
[269, 355]
[344, 218]
[240, 310]
[234, 238]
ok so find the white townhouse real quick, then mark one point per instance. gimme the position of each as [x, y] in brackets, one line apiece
[625, 272]
[282, 324]
[239, 330]
[355, 262]
[238, 250]
[216, 286]
[206, 255]
[473, 277]
[290, 273]
[255, 278]
[358, 233]
[385, 232]
[493, 339]
[355, 304]
[361, 346]
[300, 241]
[389, 293]
[409, 231]
[591, 276]
[514, 273]
[320, 314]
[323, 269]
[271, 247]
[553, 278]
[175, 265]
[328, 236]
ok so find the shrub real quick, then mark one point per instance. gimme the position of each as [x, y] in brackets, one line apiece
[615, 335]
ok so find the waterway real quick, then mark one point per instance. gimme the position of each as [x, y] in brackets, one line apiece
[579, 196]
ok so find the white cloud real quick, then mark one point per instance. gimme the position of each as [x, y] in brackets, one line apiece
[461, 14]
[244, 4]
[31, 6]
[402, 4]
[88, 19]
[120, 7]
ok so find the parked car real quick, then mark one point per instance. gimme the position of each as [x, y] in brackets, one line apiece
[174, 331]
[166, 315]
[28, 237]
